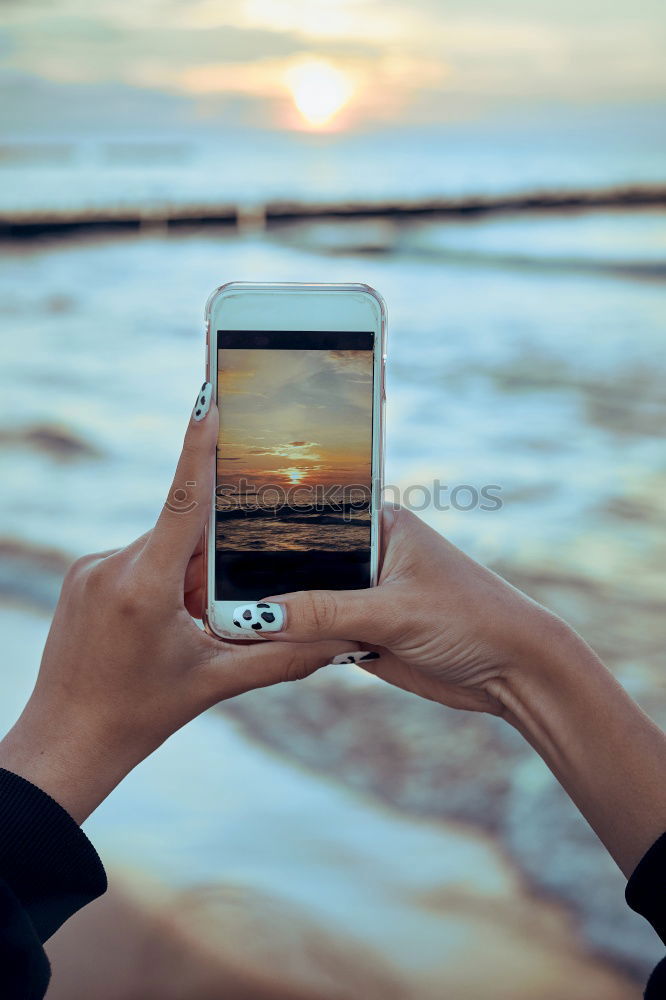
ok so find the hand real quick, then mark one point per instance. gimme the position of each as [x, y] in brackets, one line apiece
[125, 665]
[438, 623]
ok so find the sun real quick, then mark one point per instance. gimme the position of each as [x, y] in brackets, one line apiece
[294, 476]
[319, 91]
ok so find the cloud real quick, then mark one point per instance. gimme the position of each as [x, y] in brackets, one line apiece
[98, 47]
[302, 450]
[415, 61]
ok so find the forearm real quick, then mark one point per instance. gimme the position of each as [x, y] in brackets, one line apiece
[608, 755]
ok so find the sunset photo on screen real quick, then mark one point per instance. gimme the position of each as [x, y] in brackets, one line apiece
[293, 468]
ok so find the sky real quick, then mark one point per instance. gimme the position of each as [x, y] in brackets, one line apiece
[320, 64]
[295, 418]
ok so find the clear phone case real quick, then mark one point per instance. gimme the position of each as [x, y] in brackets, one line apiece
[379, 431]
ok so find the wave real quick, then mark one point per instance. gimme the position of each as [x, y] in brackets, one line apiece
[316, 519]
[324, 514]
[564, 262]
[327, 519]
[32, 574]
[59, 442]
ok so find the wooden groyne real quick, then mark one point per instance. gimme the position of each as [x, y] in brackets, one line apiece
[28, 225]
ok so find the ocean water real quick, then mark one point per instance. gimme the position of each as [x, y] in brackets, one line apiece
[556, 149]
[297, 533]
[526, 353]
[542, 378]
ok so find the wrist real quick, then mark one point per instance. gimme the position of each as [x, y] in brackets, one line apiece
[552, 678]
[604, 751]
[67, 759]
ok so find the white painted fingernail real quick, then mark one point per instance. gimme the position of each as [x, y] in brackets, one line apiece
[202, 405]
[359, 656]
[262, 617]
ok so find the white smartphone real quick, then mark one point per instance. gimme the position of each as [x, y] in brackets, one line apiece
[298, 373]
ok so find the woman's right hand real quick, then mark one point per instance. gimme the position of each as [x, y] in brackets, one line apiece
[445, 628]
[438, 624]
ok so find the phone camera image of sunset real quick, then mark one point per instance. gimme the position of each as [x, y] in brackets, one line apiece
[294, 462]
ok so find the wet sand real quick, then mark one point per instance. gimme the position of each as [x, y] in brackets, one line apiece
[534, 360]
[231, 865]
[237, 943]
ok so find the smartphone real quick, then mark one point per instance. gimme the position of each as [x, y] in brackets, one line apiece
[298, 373]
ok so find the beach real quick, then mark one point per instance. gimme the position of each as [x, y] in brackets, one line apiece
[264, 859]
[526, 353]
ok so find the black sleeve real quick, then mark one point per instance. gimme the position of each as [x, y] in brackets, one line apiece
[48, 871]
[646, 894]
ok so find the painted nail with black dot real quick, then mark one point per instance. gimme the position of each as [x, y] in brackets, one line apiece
[202, 405]
[358, 656]
[262, 617]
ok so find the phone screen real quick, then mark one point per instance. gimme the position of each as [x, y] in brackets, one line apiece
[294, 462]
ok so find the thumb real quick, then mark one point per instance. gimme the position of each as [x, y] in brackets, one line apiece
[312, 615]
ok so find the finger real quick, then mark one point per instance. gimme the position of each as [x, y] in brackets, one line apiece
[312, 615]
[181, 522]
[194, 574]
[383, 664]
[199, 547]
[193, 586]
[359, 657]
[234, 669]
[371, 615]
[193, 602]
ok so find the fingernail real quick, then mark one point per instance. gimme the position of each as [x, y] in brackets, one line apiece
[262, 617]
[202, 405]
[357, 657]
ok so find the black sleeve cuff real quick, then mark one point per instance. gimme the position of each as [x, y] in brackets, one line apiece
[656, 987]
[646, 889]
[24, 967]
[45, 858]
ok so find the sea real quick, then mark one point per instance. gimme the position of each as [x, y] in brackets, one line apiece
[294, 529]
[526, 353]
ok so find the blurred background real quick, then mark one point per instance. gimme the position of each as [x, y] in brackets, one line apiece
[497, 171]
